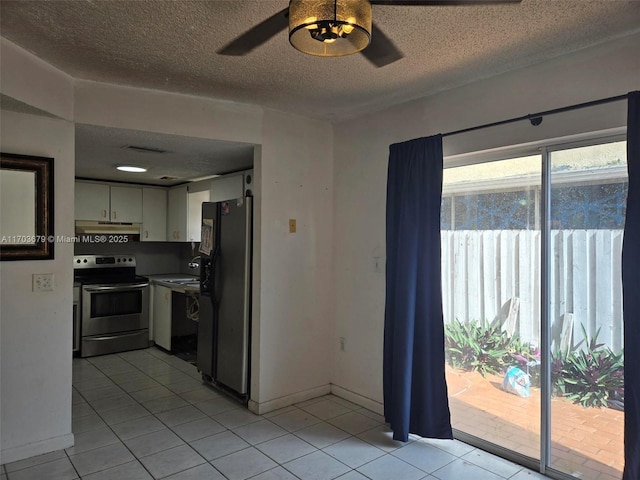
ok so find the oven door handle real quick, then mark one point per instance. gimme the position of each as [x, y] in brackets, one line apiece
[117, 288]
[109, 337]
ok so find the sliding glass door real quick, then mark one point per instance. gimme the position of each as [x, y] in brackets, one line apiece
[587, 208]
[533, 307]
[491, 277]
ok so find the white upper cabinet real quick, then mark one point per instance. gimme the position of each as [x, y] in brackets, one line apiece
[101, 202]
[166, 214]
[126, 204]
[92, 201]
[185, 210]
[154, 215]
[194, 224]
[177, 217]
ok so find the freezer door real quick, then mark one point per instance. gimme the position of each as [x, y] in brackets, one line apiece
[233, 293]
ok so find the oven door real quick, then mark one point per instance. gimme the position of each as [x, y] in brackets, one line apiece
[114, 308]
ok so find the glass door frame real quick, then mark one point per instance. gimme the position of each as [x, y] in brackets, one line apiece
[545, 295]
[545, 149]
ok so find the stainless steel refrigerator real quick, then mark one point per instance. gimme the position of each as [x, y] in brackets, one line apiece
[225, 294]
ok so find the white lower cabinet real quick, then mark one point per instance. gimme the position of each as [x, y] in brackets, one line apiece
[162, 316]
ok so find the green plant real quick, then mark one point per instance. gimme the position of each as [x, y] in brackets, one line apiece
[559, 359]
[592, 376]
[477, 347]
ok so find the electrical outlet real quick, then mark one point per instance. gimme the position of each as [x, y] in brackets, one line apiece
[43, 282]
[342, 341]
[292, 225]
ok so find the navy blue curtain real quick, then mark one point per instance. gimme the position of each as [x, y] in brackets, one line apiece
[415, 390]
[631, 297]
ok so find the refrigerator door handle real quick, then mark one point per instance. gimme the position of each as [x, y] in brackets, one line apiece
[216, 291]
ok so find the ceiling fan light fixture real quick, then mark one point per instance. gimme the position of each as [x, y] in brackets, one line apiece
[329, 28]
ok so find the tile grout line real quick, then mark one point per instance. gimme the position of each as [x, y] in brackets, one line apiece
[138, 403]
[72, 465]
[170, 428]
[256, 445]
[151, 414]
[110, 427]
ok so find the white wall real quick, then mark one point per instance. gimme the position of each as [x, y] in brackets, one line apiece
[360, 166]
[28, 79]
[292, 316]
[162, 112]
[35, 328]
[295, 289]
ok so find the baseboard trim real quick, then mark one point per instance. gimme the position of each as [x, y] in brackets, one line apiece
[13, 454]
[358, 399]
[281, 402]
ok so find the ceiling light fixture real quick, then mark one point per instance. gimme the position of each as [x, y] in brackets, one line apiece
[131, 168]
[329, 28]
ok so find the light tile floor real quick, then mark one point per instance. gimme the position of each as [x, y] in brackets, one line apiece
[146, 415]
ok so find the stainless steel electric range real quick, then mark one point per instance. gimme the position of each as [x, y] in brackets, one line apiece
[114, 304]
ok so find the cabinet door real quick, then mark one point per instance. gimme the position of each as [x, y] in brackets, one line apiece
[162, 316]
[195, 200]
[126, 204]
[227, 187]
[177, 218]
[92, 201]
[154, 215]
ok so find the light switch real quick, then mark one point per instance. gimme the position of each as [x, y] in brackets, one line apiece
[292, 225]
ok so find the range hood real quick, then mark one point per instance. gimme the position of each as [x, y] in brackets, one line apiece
[84, 227]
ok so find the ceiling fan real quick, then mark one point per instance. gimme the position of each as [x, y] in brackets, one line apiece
[333, 28]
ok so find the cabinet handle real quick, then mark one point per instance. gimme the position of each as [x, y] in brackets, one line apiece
[146, 234]
[104, 214]
[115, 215]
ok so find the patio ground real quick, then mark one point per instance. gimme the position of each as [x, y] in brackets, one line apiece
[586, 442]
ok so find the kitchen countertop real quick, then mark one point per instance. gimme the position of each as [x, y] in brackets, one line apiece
[169, 280]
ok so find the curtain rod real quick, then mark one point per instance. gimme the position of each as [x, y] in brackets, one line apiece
[536, 118]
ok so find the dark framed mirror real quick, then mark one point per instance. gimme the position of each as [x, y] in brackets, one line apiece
[26, 207]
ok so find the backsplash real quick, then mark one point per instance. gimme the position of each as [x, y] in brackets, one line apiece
[151, 257]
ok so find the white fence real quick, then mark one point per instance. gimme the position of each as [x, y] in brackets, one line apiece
[483, 270]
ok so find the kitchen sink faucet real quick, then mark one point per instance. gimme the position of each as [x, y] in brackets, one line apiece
[193, 264]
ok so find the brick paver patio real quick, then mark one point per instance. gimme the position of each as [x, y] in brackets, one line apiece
[586, 442]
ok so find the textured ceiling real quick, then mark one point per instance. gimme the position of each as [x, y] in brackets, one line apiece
[99, 150]
[171, 45]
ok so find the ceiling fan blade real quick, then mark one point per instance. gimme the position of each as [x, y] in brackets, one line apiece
[257, 35]
[381, 51]
[440, 3]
